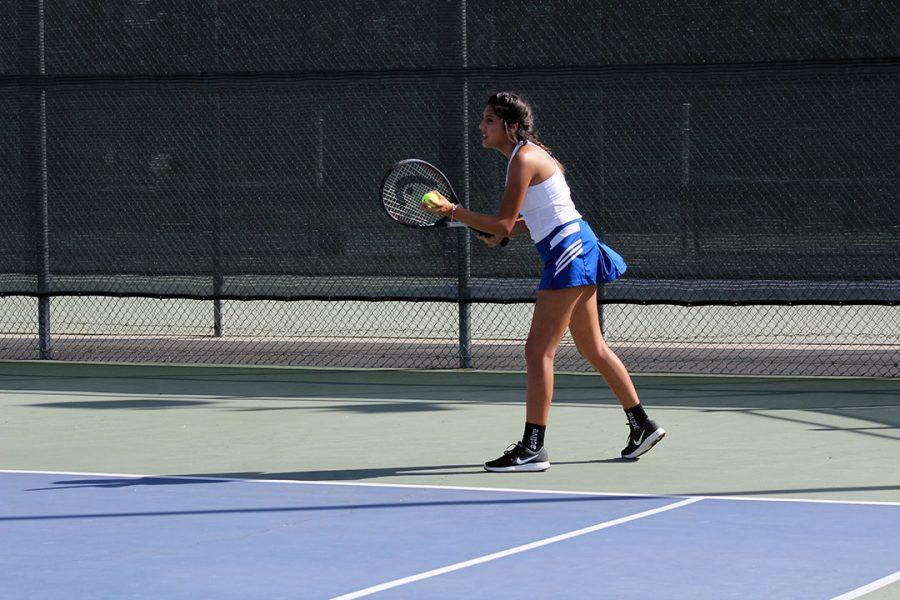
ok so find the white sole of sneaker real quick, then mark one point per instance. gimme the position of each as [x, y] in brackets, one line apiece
[648, 443]
[526, 468]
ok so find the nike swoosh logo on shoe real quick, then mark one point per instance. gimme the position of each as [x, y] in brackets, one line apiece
[638, 441]
[519, 460]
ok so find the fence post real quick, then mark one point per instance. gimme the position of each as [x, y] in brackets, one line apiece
[218, 279]
[34, 154]
[43, 226]
[464, 244]
[689, 240]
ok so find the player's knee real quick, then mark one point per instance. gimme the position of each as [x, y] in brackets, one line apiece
[537, 353]
[597, 354]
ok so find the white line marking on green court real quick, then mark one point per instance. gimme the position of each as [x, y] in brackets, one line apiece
[523, 548]
[870, 587]
[456, 487]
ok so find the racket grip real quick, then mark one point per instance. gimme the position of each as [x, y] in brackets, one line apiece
[503, 242]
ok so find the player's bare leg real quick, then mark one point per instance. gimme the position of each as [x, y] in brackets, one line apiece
[644, 433]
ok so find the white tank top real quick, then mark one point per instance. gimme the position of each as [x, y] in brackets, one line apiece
[547, 204]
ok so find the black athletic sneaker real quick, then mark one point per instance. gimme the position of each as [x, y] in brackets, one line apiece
[519, 458]
[641, 441]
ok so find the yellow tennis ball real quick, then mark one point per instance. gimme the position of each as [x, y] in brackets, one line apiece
[430, 199]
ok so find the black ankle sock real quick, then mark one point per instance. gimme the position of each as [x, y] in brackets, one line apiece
[636, 417]
[533, 439]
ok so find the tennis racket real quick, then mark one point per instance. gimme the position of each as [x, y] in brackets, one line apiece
[403, 187]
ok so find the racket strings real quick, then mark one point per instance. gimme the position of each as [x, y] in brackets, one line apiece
[403, 190]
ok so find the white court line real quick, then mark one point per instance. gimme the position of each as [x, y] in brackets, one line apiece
[489, 557]
[455, 487]
[871, 587]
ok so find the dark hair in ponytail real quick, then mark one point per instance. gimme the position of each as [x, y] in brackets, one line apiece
[513, 109]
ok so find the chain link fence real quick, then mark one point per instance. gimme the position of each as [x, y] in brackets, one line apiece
[196, 182]
[743, 340]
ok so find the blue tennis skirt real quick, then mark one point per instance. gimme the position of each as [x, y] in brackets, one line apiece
[573, 256]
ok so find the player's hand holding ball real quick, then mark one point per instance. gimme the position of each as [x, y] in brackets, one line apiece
[436, 203]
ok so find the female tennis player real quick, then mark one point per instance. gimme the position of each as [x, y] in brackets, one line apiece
[537, 200]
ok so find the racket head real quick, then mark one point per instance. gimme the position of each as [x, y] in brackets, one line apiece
[402, 189]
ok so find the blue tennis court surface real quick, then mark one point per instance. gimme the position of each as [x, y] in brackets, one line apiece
[106, 536]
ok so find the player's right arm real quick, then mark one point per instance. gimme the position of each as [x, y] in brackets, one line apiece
[518, 229]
